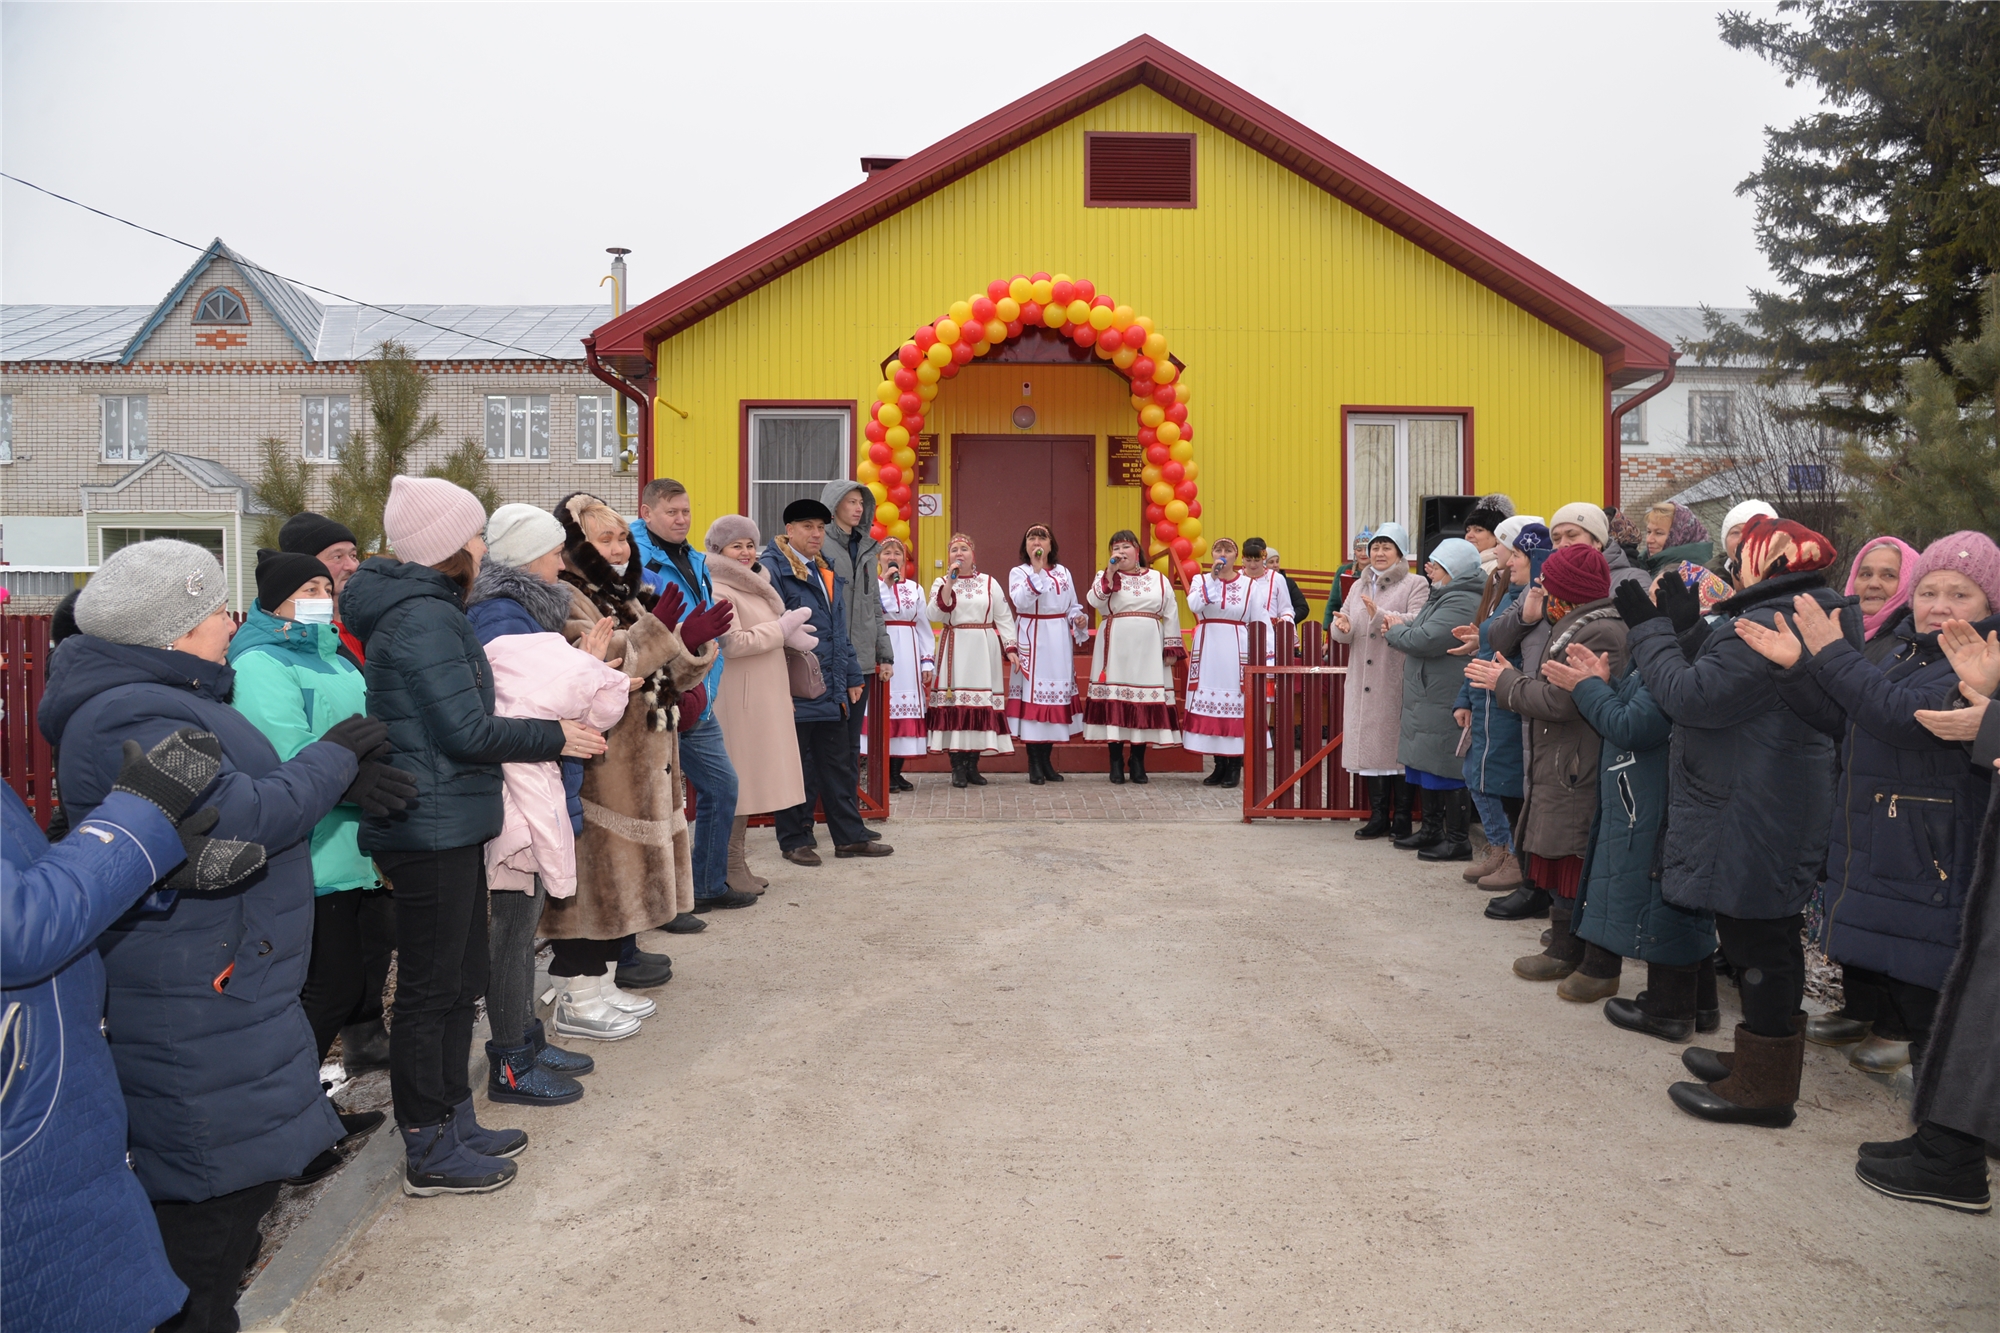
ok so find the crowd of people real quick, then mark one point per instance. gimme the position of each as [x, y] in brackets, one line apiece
[484, 747]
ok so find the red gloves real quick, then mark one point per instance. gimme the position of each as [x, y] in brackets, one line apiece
[670, 606]
[694, 703]
[704, 625]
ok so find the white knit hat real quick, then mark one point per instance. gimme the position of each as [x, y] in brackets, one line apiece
[148, 594]
[519, 534]
[428, 519]
[1510, 528]
[1586, 516]
[1743, 513]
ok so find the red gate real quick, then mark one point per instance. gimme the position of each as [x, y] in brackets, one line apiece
[1295, 703]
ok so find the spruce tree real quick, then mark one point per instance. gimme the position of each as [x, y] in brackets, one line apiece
[396, 391]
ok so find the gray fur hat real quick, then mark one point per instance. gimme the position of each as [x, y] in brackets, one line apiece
[729, 528]
[151, 593]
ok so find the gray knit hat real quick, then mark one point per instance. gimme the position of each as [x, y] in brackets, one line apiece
[151, 593]
[729, 528]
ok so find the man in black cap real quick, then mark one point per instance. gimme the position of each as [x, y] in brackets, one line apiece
[332, 545]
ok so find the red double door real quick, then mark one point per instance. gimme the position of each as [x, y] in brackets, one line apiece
[1002, 485]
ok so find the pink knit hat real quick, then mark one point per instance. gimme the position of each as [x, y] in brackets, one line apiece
[428, 518]
[1970, 553]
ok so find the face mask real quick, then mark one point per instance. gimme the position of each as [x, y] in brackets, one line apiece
[621, 566]
[313, 610]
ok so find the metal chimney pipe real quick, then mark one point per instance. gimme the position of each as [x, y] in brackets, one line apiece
[617, 253]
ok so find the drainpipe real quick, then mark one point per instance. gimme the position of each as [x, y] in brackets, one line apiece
[638, 395]
[1614, 420]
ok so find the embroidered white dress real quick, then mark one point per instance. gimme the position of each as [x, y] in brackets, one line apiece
[1270, 592]
[1212, 722]
[1042, 702]
[909, 625]
[968, 700]
[1131, 692]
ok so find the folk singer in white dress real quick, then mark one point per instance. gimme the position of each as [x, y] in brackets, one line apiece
[968, 700]
[1131, 692]
[1225, 605]
[1049, 620]
[907, 618]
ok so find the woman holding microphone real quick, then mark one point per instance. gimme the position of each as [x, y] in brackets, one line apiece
[1131, 697]
[968, 704]
[1042, 706]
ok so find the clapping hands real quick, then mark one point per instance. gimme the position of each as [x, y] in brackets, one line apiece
[1484, 675]
[1976, 660]
[1468, 640]
[1957, 725]
[1582, 662]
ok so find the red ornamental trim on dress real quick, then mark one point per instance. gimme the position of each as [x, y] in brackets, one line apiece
[1059, 714]
[966, 719]
[908, 726]
[1201, 724]
[1101, 712]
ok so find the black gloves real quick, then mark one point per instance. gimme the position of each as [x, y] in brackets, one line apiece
[212, 863]
[366, 737]
[1680, 602]
[174, 773]
[381, 790]
[1634, 607]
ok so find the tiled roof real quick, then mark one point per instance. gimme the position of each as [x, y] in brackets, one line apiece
[68, 332]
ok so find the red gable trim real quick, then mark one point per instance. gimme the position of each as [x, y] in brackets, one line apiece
[1630, 351]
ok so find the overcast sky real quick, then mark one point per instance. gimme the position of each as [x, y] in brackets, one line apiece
[488, 153]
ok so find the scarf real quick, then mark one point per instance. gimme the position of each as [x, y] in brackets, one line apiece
[1686, 528]
[1906, 580]
[1555, 608]
[1778, 545]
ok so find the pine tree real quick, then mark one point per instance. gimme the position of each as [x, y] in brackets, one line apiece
[396, 391]
[284, 488]
[1880, 214]
[467, 466]
[1941, 472]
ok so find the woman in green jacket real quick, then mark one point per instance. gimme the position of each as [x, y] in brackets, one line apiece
[292, 683]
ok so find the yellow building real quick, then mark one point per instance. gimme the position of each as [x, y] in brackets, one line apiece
[1345, 346]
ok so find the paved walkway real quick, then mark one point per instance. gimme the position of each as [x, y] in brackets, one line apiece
[1178, 797]
[1048, 1075]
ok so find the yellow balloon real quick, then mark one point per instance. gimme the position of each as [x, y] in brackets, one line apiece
[1201, 548]
[936, 359]
[1165, 372]
[1149, 476]
[1122, 317]
[896, 437]
[1007, 309]
[1043, 292]
[1182, 393]
[1152, 414]
[1124, 357]
[1060, 277]
[1156, 345]
[890, 415]
[1190, 528]
[887, 391]
[900, 529]
[905, 457]
[1078, 312]
[1180, 450]
[981, 348]
[1176, 510]
[947, 332]
[1161, 493]
[880, 492]
[1190, 470]
[1020, 291]
[960, 311]
[927, 372]
[1100, 317]
[866, 472]
[1144, 322]
[1139, 404]
[926, 389]
[1169, 433]
[886, 512]
[1053, 315]
[996, 330]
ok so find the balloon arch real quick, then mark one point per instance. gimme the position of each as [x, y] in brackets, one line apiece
[1074, 309]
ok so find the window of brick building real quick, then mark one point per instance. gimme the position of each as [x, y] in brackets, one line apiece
[221, 306]
[124, 437]
[517, 428]
[6, 427]
[324, 427]
[1631, 426]
[1710, 418]
[597, 427]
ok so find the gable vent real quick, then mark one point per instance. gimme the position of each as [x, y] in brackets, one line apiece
[1138, 170]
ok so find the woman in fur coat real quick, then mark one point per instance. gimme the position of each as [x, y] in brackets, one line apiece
[633, 868]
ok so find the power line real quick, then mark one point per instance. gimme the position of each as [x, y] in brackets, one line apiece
[350, 300]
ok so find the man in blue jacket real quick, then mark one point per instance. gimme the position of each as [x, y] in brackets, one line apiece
[803, 578]
[660, 545]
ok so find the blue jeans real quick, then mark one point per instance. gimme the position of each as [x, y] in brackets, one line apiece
[705, 764]
[1493, 818]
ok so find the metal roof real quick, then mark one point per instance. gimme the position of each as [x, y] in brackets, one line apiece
[68, 332]
[203, 472]
[478, 332]
[297, 314]
[1683, 323]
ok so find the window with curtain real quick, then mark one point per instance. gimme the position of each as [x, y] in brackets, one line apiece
[124, 435]
[597, 427]
[794, 453]
[324, 427]
[1394, 462]
[517, 428]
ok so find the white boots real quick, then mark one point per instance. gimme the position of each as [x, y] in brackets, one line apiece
[636, 1005]
[585, 1008]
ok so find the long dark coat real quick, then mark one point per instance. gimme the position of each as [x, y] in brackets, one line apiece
[1493, 762]
[1561, 748]
[1749, 781]
[1431, 677]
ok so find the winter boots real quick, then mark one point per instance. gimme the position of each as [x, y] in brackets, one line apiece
[1428, 834]
[555, 1057]
[1762, 1087]
[1041, 763]
[1117, 749]
[1486, 863]
[1836, 1030]
[1135, 768]
[1380, 793]
[739, 876]
[1221, 770]
[364, 1046]
[513, 1074]
[1456, 845]
[1667, 1008]
[437, 1161]
[1595, 978]
[965, 769]
[583, 1009]
[1934, 1165]
[1878, 1055]
[897, 782]
[1234, 777]
[1563, 953]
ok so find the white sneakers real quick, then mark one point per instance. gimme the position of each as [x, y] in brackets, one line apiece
[585, 1008]
[636, 1005]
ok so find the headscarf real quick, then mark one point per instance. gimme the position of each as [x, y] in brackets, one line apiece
[1769, 540]
[1906, 581]
[1687, 527]
[1622, 530]
[1708, 585]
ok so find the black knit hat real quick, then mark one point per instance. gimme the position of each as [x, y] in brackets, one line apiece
[309, 534]
[1483, 517]
[282, 573]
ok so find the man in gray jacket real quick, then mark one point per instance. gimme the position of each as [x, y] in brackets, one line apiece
[851, 552]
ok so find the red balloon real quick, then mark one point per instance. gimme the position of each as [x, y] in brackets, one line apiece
[923, 338]
[1186, 492]
[1064, 293]
[1182, 548]
[1154, 513]
[1177, 413]
[877, 531]
[913, 422]
[899, 496]
[1148, 437]
[1194, 506]
[994, 291]
[876, 432]
[910, 404]
[1164, 396]
[909, 354]
[1086, 290]
[1166, 530]
[1187, 431]
[891, 475]
[906, 380]
[878, 454]
[874, 410]
[1190, 569]
[1141, 372]
[1014, 329]
[961, 351]
[1083, 335]
[1135, 336]
[950, 371]
[982, 309]
[1156, 453]
[1039, 277]
[1031, 313]
[1171, 473]
[1104, 301]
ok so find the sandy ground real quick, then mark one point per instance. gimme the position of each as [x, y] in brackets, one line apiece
[1155, 1075]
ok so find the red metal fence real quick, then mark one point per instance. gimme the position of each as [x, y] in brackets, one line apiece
[28, 765]
[1296, 703]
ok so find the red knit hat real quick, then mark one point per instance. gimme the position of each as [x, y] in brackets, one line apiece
[1766, 539]
[1577, 573]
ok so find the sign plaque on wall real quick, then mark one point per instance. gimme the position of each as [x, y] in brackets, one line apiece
[1128, 460]
[927, 455]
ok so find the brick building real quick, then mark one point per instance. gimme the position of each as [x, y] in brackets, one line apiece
[119, 423]
[1681, 435]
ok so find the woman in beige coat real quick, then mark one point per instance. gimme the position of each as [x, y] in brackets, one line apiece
[1372, 714]
[754, 704]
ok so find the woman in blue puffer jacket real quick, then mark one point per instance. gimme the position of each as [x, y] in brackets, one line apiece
[1493, 768]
